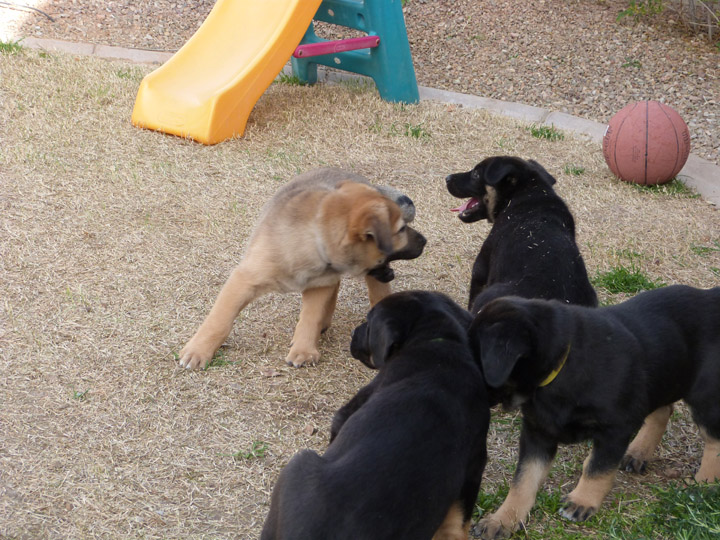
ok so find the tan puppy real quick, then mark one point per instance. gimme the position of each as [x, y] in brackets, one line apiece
[319, 226]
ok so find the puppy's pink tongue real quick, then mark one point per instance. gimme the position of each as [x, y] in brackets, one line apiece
[467, 204]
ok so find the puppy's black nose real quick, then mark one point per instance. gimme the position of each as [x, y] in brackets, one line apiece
[448, 178]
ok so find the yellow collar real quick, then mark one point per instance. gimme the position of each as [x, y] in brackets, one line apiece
[554, 373]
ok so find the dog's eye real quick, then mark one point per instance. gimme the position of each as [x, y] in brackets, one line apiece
[402, 229]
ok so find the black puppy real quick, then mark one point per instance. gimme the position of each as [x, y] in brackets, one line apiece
[531, 249]
[595, 374]
[408, 451]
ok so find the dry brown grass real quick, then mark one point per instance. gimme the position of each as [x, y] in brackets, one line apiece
[115, 241]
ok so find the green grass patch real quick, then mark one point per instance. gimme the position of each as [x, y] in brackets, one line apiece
[502, 142]
[628, 254]
[575, 170]
[546, 132]
[357, 86]
[488, 502]
[10, 47]
[637, 9]
[674, 187]
[219, 360]
[257, 451]
[674, 512]
[545, 521]
[416, 131]
[130, 73]
[621, 279]
[291, 80]
[80, 396]
[679, 512]
[705, 250]
[507, 419]
[631, 63]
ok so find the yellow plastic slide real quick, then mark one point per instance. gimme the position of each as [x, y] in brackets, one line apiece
[208, 88]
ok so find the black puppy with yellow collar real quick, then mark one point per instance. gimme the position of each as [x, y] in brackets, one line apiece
[595, 374]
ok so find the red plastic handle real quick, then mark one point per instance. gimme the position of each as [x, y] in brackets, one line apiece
[331, 47]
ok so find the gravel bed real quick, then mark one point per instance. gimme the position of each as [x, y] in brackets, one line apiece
[572, 56]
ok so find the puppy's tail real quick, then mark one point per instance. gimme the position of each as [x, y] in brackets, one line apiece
[407, 207]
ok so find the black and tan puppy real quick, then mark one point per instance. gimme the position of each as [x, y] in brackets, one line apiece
[320, 226]
[530, 250]
[595, 374]
[408, 451]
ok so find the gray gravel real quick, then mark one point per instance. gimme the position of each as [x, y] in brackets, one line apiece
[571, 56]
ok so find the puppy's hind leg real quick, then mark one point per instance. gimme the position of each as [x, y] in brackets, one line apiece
[329, 309]
[598, 476]
[646, 441]
[585, 500]
[313, 315]
[454, 527]
[710, 464]
[242, 287]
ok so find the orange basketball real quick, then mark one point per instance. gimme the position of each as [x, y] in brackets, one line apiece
[646, 142]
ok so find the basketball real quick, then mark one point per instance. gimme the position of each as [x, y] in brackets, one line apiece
[646, 142]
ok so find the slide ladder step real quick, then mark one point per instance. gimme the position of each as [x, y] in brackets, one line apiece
[332, 47]
[388, 62]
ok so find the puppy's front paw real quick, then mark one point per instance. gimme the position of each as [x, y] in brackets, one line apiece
[633, 464]
[491, 528]
[194, 356]
[577, 512]
[299, 356]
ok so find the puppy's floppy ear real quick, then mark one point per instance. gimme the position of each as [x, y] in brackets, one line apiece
[385, 335]
[542, 173]
[379, 229]
[359, 345]
[502, 167]
[375, 340]
[499, 357]
[373, 220]
[500, 344]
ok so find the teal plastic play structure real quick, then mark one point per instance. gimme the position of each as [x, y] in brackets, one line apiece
[388, 63]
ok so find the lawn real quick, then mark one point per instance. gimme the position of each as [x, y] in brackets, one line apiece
[115, 241]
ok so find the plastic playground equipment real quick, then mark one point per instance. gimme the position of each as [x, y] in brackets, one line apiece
[207, 90]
